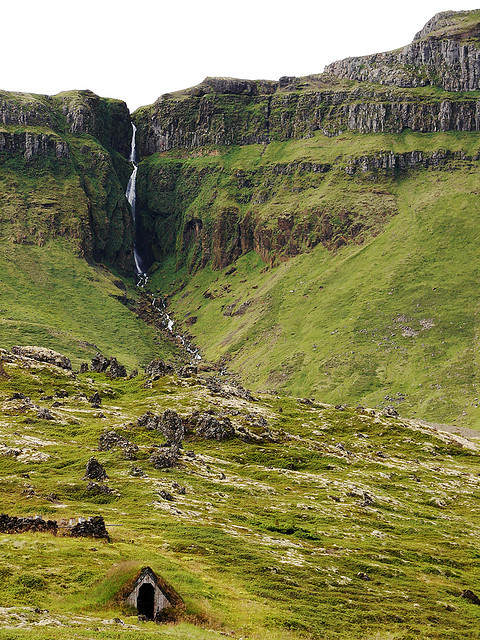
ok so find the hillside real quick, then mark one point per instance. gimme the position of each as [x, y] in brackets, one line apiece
[282, 518]
[357, 204]
[317, 239]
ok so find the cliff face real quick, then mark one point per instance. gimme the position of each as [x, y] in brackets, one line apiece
[225, 119]
[445, 53]
[349, 96]
[63, 172]
[203, 210]
[207, 212]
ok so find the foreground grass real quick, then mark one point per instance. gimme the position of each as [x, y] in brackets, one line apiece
[346, 525]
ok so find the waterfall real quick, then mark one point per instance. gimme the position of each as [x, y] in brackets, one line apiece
[131, 195]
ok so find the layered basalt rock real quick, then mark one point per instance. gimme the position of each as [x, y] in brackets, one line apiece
[445, 53]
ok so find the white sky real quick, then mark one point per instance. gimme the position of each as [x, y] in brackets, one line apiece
[138, 50]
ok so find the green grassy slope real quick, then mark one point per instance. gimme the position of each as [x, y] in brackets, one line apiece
[51, 297]
[345, 525]
[389, 319]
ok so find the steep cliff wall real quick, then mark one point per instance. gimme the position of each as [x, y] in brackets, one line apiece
[286, 199]
[350, 96]
[190, 122]
[445, 53]
[63, 172]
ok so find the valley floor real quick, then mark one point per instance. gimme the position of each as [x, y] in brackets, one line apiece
[307, 521]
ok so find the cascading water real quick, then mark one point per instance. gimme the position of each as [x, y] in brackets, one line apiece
[131, 195]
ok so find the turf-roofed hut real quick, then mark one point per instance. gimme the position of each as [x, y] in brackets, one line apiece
[152, 596]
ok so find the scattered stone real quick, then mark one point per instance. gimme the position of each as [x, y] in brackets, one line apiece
[368, 500]
[92, 528]
[178, 488]
[52, 497]
[438, 502]
[95, 400]
[166, 495]
[95, 471]
[188, 371]
[44, 414]
[100, 363]
[363, 576]
[43, 355]
[470, 596]
[191, 320]
[61, 393]
[136, 471]
[83, 367]
[390, 412]
[117, 370]
[19, 396]
[134, 374]
[306, 401]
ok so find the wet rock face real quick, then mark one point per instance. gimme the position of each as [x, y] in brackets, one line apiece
[34, 144]
[107, 120]
[95, 471]
[43, 355]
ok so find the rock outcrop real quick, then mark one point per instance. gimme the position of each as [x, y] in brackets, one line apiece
[43, 355]
[444, 53]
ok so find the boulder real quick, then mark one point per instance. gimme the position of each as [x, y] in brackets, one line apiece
[208, 426]
[95, 471]
[149, 421]
[44, 414]
[117, 370]
[171, 425]
[158, 368]
[470, 596]
[95, 400]
[165, 458]
[100, 363]
[43, 355]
